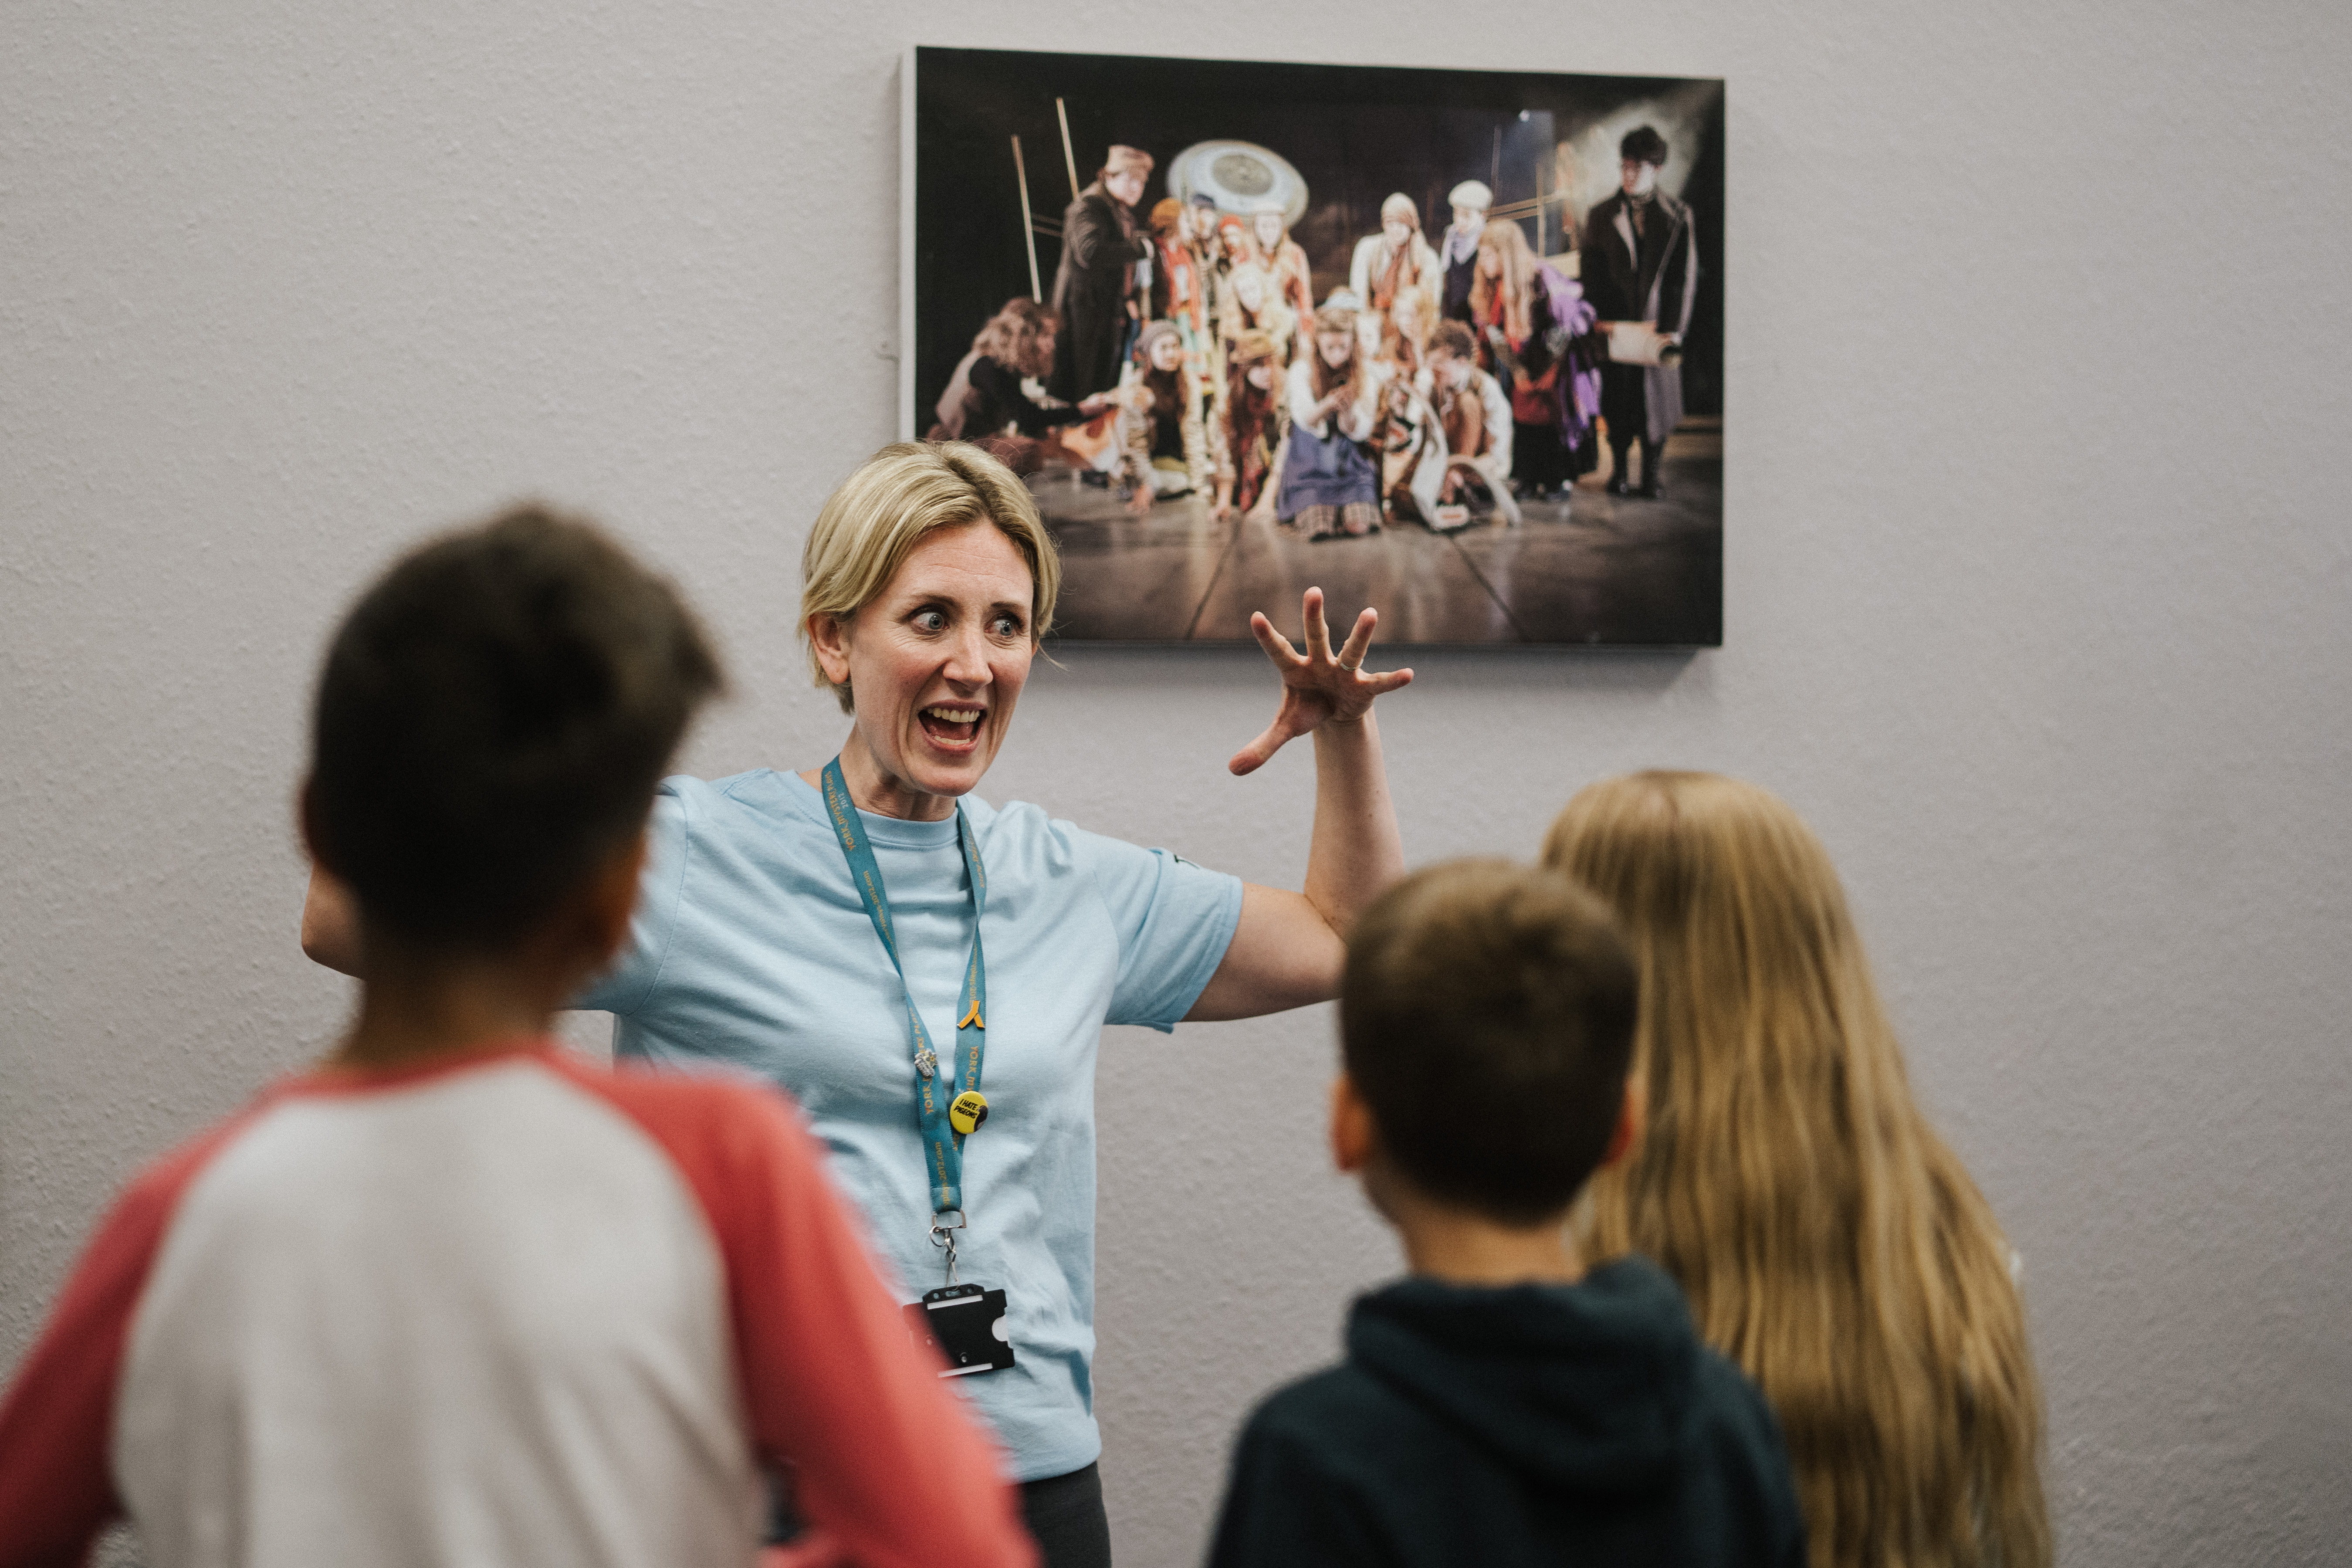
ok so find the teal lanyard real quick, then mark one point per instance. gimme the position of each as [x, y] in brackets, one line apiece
[942, 1144]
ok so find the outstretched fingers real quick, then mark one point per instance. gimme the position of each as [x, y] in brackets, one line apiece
[1359, 639]
[1277, 647]
[1317, 631]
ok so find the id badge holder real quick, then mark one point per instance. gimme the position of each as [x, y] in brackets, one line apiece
[965, 1325]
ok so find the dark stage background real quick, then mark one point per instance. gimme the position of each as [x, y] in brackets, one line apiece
[1355, 133]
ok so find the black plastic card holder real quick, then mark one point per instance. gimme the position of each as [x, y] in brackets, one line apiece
[965, 1325]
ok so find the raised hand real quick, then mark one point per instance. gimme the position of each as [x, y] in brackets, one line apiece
[1319, 685]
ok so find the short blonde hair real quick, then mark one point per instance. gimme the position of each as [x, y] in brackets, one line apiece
[876, 516]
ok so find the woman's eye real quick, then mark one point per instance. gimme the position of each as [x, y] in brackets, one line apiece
[1007, 626]
[931, 621]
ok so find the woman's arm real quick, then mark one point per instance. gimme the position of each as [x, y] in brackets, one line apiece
[1287, 948]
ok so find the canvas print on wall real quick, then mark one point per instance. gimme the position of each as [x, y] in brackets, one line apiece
[1447, 343]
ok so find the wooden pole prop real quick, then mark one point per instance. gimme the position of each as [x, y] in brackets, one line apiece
[1028, 235]
[1068, 157]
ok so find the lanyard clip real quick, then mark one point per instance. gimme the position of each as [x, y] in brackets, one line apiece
[944, 1235]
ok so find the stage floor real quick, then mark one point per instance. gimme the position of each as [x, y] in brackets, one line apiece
[1597, 570]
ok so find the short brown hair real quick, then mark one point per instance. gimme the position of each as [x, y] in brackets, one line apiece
[490, 722]
[1486, 1018]
[1452, 338]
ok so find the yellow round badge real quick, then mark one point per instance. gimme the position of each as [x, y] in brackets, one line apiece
[968, 1111]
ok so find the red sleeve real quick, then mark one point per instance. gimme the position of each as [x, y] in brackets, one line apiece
[889, 1463]
[57, 1480]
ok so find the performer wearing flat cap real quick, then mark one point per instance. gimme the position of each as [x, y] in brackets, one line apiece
[1471, 201]
[1094, 288]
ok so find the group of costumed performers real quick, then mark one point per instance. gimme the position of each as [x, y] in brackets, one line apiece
[1183, 353]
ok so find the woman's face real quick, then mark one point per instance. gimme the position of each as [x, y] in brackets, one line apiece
[1250, 290]
[1167, 353]
[1127, 187]
[1269, 230]
[1490, 261]
[1040, 358]
[1399, 231]
[937, 660]
[1260, 375]
[1337, 346]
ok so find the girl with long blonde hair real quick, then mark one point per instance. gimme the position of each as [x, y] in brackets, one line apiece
[1829, 1240]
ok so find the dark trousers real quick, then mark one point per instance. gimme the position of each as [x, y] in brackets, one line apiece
[1065, 1515]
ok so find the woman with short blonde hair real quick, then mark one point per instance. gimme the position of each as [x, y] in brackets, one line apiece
[1829, 1240]
[929, 975]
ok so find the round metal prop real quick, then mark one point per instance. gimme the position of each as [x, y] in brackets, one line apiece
[1239, 177]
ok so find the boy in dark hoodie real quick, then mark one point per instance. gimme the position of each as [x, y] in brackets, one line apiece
[1502, 1405]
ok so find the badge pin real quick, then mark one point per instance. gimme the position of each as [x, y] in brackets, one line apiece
[926, 1063]
[968, 1111]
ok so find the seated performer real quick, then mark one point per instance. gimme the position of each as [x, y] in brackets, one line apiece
[986, 403]
[1330, 483]
[1474, 416]
[1250, 429]
[1161, 430]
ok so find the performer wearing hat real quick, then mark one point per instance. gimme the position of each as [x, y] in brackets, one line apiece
[1094, 288]
[1639, 266]
[1471, 201]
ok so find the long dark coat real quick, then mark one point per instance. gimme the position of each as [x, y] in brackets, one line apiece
[1090, 294]
[1653, 281]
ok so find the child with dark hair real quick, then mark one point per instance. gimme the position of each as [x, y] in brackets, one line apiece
[1502, 1405]
[455, 1296]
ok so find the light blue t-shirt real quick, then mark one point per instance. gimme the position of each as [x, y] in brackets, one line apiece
[749, 948]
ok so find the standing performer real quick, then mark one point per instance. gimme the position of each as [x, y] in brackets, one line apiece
[1535, 330]
[1394, 265]
[1252, 305]
[930, 973]
[1094, 288]
[1471, 201]
[1639, 266]
[1284, 261]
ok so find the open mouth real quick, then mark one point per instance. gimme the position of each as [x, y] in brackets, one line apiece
[950, 725]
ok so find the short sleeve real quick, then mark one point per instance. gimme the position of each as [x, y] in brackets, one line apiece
[624, 987]
[1173, 920]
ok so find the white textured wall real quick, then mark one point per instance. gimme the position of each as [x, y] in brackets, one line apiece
[2037, 571]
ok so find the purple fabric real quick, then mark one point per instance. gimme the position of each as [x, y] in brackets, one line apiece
[1579, 386]
[1325, 470]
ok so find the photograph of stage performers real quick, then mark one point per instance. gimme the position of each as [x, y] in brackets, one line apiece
[1258, 369]
[1639, 268]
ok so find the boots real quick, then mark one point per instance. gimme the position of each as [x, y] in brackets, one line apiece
[1652, 454]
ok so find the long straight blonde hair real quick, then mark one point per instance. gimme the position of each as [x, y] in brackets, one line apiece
[1829, 1241]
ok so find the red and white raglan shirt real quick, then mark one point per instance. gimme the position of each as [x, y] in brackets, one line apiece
[509, 1309]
